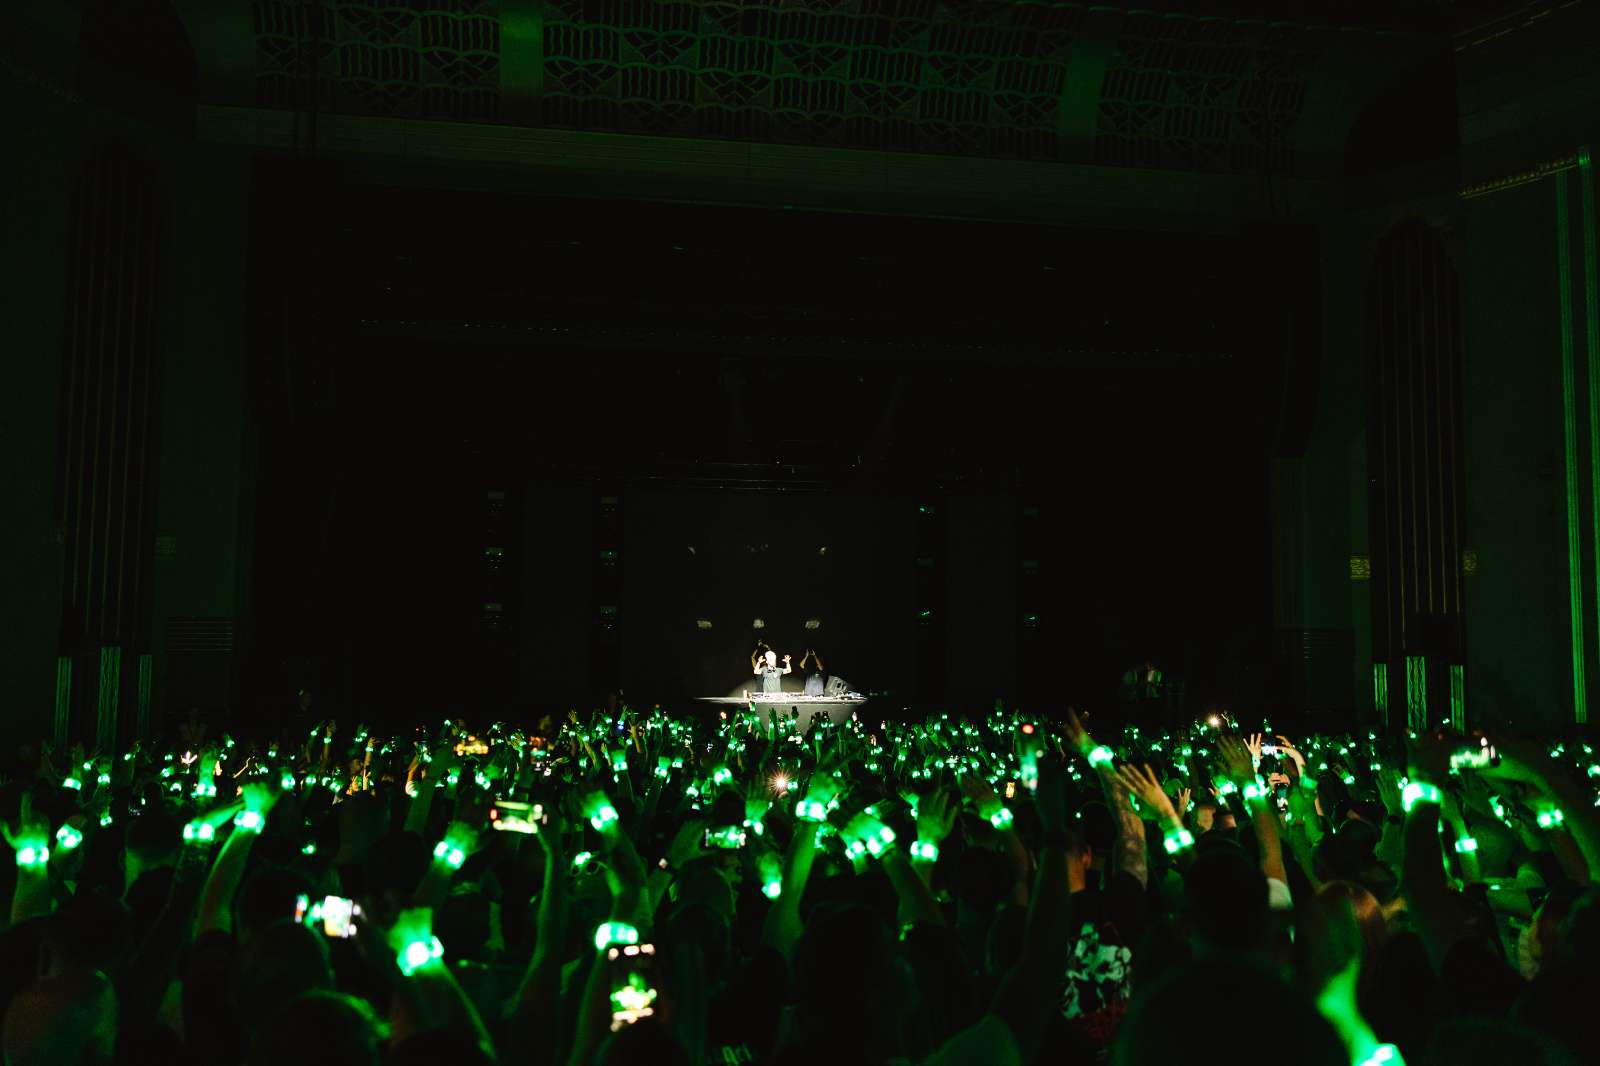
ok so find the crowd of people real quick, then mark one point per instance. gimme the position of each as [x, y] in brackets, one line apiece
[634, 886]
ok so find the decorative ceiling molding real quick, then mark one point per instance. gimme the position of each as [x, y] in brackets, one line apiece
[1038, 80]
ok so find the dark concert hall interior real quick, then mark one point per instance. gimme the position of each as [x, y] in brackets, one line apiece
[965, 531]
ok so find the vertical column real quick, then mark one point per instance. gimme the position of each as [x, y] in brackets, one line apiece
[1458, 697]
[1591, 334]
[1416, 693]
[1380, 692]
[110, 682]
[1569, 440]
[142, 721]
[63, 718]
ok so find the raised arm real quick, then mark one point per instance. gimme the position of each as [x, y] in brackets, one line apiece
[1128, 853]
[536, 1011]
[216, 901]
[1238, 765]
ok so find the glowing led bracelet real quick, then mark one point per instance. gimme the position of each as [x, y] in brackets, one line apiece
[199, 833]
[286, 782]
[205, 790]
[880, 841]
[1178, 839]
[1466, 845]
[1381, 1055]
[105, 819]
[855, 850]
[249, 822]
[1309, 784]
[1415, 791]
[925, 851]
[309, 849]
[721, 775]
[102, 779]
[1550, 819]
[1255, 790]
[31, 857]
[417, 954]
[1227, 788]
[604, 817]
[68, 837]
[450, 856]
[619, 761]
[1001, 819]
[809, 810]
[1101, 756]
[580, 860]
[72, 783]
[663, 765]
[614, 932]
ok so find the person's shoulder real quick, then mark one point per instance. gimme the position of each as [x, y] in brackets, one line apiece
[987, 1042]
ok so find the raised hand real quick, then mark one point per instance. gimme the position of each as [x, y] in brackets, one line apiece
[1146, 786]
[32, 831]
[936, 815]
[1235, 758]
[982, 796]
[1077, 737]
[1252, 744]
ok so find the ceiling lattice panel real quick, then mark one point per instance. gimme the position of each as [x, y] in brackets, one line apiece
[973, 78]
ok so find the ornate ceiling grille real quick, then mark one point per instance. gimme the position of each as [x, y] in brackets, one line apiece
[946, 77]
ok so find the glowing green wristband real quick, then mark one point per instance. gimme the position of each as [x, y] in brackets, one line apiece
[810, 810]
[451, 856]
[1178, 839]
[1227, 788]
[419, 953]
[1255, 790]
[310, 848]
[580, 860]
[73, 783]
[1550, 819]
[29, 858]
[721, 775]
[604, 818]
[925, 851]
[613, 932]
[1101, 756]
[1418, 791]
[1466, 845]
[772, 889]
[102, 779]
[880, 841]
[249, 822]
[1383, 1055]
[1308, 783]
[286, 782]
[199, 833]
[1001, 819]
[855, 850]
[68, 837]
[619, 761]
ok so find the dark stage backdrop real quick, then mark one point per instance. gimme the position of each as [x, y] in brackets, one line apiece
[729, 558]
